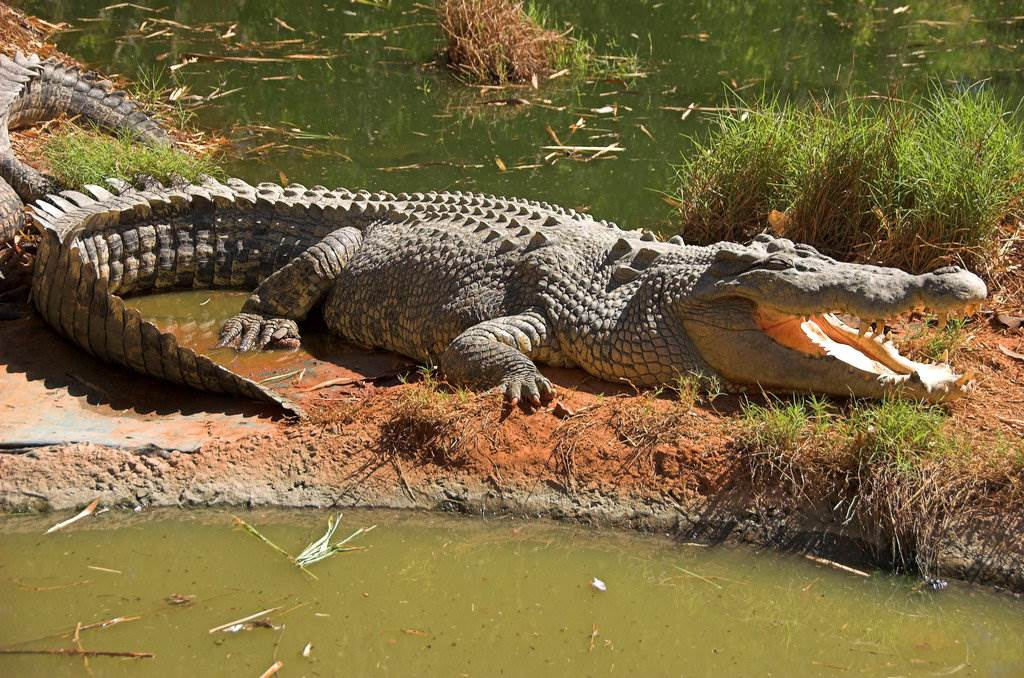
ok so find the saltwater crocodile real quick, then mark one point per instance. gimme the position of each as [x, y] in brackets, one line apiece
[484, 287]
[33, 90]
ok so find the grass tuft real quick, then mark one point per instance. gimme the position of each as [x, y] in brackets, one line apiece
[509, 41]
[497, 41]
[914, 184]
[434, 424]
[940, 344]
[893, 470]
[77, 156]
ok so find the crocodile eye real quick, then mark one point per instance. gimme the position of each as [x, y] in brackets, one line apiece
[777, 263]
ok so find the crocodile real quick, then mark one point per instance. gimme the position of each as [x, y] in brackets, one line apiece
[481, 286]
[33, 90]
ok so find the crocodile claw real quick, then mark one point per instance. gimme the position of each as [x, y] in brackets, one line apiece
[532, 388]
[250, 331]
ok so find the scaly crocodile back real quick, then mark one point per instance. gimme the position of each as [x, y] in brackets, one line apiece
[33, 90]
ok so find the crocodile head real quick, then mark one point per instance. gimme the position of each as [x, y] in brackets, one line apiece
[769, 315]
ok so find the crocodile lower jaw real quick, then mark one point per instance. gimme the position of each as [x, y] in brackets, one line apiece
[871, 354]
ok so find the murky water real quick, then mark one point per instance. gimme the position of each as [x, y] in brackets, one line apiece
[195, 318]
[441, 595]
[376, 115]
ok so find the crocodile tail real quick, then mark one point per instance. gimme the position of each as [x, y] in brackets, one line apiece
[14, 74]
[33, 90]
[75, 293]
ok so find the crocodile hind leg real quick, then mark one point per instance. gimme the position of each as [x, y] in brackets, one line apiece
[500, 352]
[269, 315]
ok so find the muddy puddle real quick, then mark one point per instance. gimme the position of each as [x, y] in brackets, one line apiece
[196, 316]
[443, 595]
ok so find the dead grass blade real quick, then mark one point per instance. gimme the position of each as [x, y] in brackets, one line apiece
[243, 620]
[87, 511]
[76, 652]
[256, 533]
[322, 549]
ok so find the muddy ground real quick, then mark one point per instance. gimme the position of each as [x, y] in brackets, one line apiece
[73, 429]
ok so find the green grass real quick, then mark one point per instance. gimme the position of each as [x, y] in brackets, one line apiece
[776, 427]
[915, 184]
[151, 89]
[77, 156]
[894, 470]
[941, 344]
[580, 57]
[890, 431]
[898, 433]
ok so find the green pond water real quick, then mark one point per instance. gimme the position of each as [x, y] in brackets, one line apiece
[377, 105]
[443, 595]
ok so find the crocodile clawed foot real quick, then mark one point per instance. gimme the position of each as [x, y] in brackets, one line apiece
[250, 331]
[533, 389]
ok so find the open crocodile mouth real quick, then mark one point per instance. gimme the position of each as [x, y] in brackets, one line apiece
[867, 350]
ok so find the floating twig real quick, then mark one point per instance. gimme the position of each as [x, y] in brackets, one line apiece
[104, 569]
[279, 377]
[341, 381]
[274, 668]
[422, 165]
[838, 566]
[585, 149]
[694, 574]
[75, 652]
[243, 620]
[87, 511]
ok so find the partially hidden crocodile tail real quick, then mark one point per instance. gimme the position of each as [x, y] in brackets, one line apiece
[33, 90]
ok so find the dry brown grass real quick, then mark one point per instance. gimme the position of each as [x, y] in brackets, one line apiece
[431, 423]
[575, 434]
[643, 423]
[496, 41]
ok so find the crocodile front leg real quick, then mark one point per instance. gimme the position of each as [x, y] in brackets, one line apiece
[269, 315]
[498, 352]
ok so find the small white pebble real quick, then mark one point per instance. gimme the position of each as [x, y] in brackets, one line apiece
[598, 585]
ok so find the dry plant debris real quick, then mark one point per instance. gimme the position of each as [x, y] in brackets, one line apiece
[496, 41]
